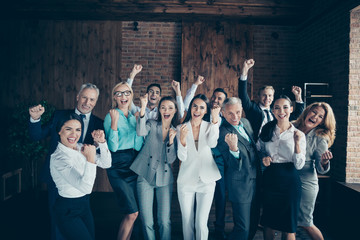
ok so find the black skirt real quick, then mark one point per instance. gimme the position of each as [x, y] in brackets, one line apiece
[123, 180]
[281, 201]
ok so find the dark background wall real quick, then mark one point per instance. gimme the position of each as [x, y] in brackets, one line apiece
[50, 59]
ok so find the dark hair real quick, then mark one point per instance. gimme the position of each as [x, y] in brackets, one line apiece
[68, 117]
[268, 129]
[220, 90]
[175, 119]
[153, 85]
[207, 114]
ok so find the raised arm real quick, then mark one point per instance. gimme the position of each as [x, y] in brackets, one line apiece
[179, 100]
[247, 104]
[136, 69]
[191, 92]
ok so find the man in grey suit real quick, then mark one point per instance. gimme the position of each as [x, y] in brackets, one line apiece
[237, 147]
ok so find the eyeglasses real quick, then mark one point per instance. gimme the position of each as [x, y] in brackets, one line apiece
[119, 94]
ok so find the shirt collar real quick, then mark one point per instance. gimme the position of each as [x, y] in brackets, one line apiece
[291, 129]
[263, 107]
[87, 116]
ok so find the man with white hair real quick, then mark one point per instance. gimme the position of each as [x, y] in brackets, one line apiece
[237, 147]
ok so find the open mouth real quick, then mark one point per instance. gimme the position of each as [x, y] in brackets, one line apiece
[123, 102]
[166, 116]
[196, 115]
[312, 121]
[71, 140]
[282, 116]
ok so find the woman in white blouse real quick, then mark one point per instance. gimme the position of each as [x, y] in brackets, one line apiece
[198, 171]
[283, 148]
[73, 169]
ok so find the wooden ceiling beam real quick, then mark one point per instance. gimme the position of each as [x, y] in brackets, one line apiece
[145, 10]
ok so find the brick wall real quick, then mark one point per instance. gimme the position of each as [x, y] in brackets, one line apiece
[157, 46]
[324, 57]
[353, 154]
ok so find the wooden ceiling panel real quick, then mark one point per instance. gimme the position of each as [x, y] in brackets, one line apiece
[260, 11]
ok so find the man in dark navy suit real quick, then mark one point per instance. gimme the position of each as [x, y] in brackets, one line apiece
[242, 173]
[260, 113]
[86, 101]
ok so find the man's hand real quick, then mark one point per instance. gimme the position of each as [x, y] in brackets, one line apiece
[232, 140]
[297, 93]
[247, 65]
[36, 111]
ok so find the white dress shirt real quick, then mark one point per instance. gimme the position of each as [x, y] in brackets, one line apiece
[281, 147]
[73, 175]
[152, 114]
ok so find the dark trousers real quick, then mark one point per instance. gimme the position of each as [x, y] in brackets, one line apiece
[52, 196]
[241, 215]
[74, 218]
[220, 204]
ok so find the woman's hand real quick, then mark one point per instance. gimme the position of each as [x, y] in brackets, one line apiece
[325, 158]
[199, 80]
[297, 136]
[266, 161]
[143, 102]
[136, 69]
[172, 134]
[183, 134]
[232, 140]
[98, 136]
[176, 86]
[215, 111]
[89, 151]
[114, 115]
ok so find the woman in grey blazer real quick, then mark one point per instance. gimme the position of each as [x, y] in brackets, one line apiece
[153, 165]
[318, 123]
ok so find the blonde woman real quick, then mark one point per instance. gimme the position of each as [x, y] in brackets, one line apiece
[318, 123]
[124, 144]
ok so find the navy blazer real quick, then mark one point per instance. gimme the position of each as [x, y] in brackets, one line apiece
[253, 111]
[241, 173]
[38, 132]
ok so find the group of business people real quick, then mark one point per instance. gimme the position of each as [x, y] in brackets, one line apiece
[218, 150]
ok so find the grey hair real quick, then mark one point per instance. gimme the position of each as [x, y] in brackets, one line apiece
[89, 86]
[231, 101]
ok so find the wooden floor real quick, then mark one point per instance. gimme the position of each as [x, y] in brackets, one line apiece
[25, 216]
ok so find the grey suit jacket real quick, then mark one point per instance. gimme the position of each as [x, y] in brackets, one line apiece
[155, 158]
[241, 173]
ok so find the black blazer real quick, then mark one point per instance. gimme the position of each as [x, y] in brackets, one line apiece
[241, 174]
[253, 111]
[38, 132]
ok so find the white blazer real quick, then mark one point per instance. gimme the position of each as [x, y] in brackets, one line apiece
[199, 163]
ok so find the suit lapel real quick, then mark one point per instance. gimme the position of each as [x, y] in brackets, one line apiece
[89, 130]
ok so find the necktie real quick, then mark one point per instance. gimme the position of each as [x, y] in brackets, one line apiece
[82, 116]
[267, 115]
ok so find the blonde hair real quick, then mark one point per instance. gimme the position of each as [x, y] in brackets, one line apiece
[264, 88]
[113, 102]
[327, 128]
